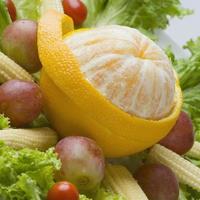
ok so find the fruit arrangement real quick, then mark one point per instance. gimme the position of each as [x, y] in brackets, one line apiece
[91, 108]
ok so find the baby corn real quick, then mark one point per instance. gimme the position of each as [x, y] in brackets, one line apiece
[38, 138]
[186, 172]
[10, 70]
[119, 180]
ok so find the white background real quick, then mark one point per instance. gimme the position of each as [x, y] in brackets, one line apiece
[182, 30]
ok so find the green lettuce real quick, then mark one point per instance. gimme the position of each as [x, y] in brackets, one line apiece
[142, 14]
[40, 121]
[27, 9]
[33, 9]
[187, 193]
[5, 19]
[189, 75]
[192, 106]
[83, 197]
[183, 194]
[102, 194]
[189, 69]
[95, 8]
[4, 122]
[26, 174]
[193, 46]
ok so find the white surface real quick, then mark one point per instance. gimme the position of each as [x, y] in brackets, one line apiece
[166, 41]
[182, 30]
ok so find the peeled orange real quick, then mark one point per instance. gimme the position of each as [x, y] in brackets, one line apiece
[111, 84]
[126, 67]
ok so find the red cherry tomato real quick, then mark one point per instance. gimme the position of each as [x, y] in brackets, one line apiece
[63, 191]
[76, 10]
[11, 9]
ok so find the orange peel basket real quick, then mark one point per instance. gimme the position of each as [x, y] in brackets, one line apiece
[75, 107]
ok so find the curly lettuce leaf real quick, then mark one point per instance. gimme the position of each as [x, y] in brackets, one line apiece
[191, 106]
[193, 46]
[102, 194]
[142, 14]
[187, 193]
[189, 69]
[83, 197]
[40, 121]
[27, 9]
[183, 194]
[5, 19]
[25, 188]
[4, 122]
[94, 10]
[33, 9]
[171, 55]
[26, 174]
[189, 74]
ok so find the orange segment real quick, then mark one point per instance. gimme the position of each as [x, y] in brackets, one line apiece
[75, 107]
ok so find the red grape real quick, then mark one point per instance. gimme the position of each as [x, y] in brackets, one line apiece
[11, 9]
[19, 42]
[158, 182]
[82, 162]
[21, 101]
[63, 191]
[181, 137]
[76, 10]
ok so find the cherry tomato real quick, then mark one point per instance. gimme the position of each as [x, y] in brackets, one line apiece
[76, 10]
[11, 9]
[63, 191]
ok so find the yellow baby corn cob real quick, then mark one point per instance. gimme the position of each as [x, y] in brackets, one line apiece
[186, 172]
[38, 138]
[119, 180]
[10, 70]
[194, 151]
[51, 4]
